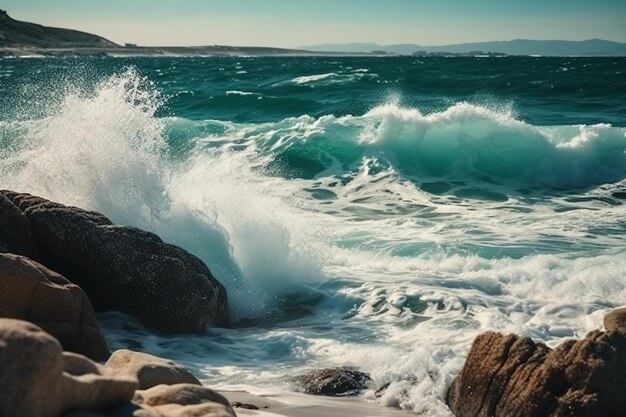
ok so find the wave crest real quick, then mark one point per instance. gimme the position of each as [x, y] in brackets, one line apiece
[463, 143]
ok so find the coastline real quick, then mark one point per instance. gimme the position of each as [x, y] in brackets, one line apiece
[174, 51]
[237, 51]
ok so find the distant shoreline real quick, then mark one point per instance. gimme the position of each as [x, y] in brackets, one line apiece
[173, 51]
[233, 51]
[25, 39]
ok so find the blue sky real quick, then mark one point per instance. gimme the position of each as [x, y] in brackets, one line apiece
[291, 23]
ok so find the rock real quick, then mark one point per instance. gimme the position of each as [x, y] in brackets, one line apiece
[334, 382]
[76, 364]
[615, 321]
[513, 376]
[184, 400]
[35, 382]
[500, 356]
[30, 291]
[15, 234]
[125, 269]
[149, 370]
[244, 406]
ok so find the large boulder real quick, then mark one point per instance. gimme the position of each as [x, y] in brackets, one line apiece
[149, 370]
[334, 382]
[37, 382]
[512, 376]
[30, 291]
[123, 268]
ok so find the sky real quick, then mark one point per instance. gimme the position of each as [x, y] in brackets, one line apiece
[296, 23]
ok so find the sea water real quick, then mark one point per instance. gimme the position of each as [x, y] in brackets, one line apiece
[377, 213]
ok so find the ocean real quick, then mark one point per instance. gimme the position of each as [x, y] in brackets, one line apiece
[376, 213]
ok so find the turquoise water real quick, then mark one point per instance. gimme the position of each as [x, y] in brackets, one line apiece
[372, 212]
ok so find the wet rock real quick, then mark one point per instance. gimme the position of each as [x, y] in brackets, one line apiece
[30, 291]
[505, 375]
[149, 370]
[184, 400]
[244, 406]
[123, 268]
[334, 382]
[381, 391]
[15, 234]
[36, 383]
[406, 379]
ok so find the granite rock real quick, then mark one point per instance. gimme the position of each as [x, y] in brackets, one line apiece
[506, 375]
[124, 268]
[30, 291]
[149, 370]
[36, 382]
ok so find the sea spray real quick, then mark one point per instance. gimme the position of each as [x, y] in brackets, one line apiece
[105, 151]
[274, 248]
[94, 148]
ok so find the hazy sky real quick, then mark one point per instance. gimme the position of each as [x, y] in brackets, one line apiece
[291, 23]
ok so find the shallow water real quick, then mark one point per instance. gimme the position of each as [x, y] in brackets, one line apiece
[372, 212]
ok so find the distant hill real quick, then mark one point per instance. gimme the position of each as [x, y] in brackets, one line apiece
[14, 33]
[514, 47]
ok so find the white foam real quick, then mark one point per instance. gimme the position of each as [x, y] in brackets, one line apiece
[241, 93]
[332, 78]
[305, 79]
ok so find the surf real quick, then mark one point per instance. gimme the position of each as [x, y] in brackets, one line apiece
[390, 237]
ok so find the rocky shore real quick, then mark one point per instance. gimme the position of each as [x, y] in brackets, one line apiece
[60, 265]
[39, 379]
[506, 375]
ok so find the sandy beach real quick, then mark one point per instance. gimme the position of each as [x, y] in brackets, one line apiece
[301, 405]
